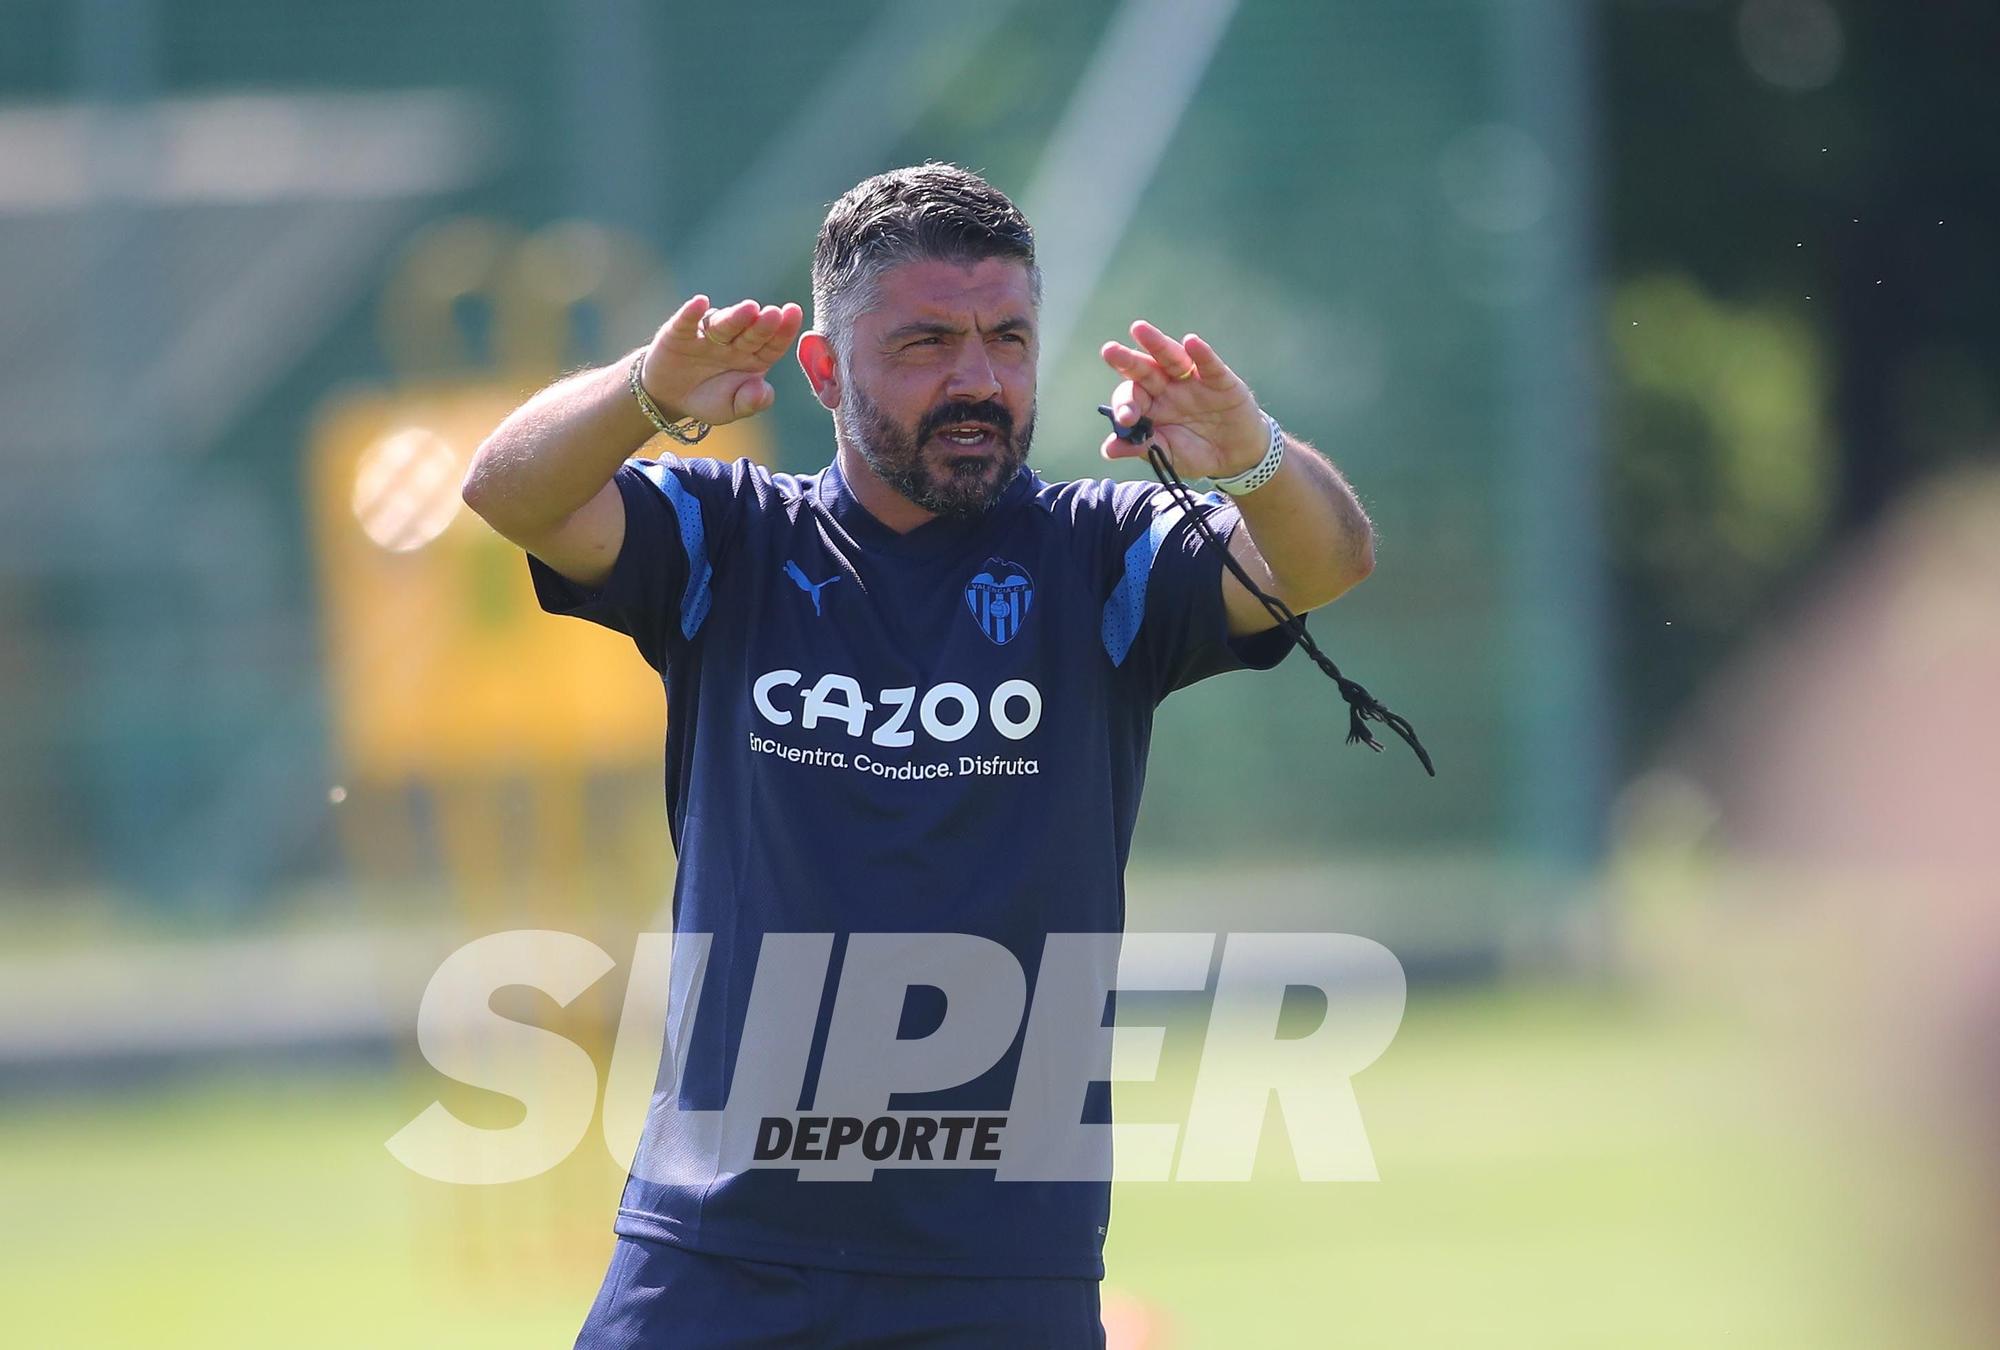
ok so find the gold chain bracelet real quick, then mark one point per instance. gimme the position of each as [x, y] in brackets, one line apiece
[688, 430]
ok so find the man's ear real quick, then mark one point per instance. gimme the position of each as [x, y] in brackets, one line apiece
[822, 368]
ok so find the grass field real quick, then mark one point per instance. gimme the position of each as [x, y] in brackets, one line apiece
[1558, 1169]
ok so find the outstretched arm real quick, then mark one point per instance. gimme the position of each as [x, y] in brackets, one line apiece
[543, 478]
[1305, 538]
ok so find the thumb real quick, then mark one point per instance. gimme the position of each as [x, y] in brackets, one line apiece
[753, 396]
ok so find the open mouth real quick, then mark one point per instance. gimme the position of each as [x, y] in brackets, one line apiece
[969, 436]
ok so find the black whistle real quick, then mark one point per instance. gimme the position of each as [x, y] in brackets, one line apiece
[1138, 433]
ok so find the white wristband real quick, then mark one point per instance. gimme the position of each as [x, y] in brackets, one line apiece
[1242, 484]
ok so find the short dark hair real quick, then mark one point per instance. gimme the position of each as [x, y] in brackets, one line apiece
[927, 211]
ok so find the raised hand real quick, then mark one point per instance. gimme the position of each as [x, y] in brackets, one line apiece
[1201, 410]
[711, 363]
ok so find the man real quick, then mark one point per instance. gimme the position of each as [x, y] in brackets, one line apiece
[911, 693]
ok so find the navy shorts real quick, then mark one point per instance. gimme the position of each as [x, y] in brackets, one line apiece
[661, 1297]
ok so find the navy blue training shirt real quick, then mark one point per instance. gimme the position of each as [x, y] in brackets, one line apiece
[943, 730]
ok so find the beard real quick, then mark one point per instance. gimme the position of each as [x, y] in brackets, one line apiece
[946, 482]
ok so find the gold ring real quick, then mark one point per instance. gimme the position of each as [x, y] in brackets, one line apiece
[1187, 374]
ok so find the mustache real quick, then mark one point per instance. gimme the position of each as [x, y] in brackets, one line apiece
[988, 413]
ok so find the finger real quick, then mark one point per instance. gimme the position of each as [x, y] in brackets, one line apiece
[726, 325]
[1129, 402]
[786, 328]
[1207, 364]
[1171, 356]
[761, 328]
[790, 318]
[686, 321]
[1137, 367]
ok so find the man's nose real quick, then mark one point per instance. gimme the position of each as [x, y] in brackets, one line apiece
[972, 376]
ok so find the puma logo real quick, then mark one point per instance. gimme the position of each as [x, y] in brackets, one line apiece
[800, 580]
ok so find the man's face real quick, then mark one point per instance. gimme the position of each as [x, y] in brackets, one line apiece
[940, 390]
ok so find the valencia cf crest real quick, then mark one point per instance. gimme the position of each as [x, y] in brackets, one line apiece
[999, 597]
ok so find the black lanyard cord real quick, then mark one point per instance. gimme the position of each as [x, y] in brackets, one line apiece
[1362, 706]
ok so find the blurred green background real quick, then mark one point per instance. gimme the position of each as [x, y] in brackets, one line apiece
[1661, 337]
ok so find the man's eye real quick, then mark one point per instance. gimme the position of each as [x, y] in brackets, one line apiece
[926, 342]
[1019, 339]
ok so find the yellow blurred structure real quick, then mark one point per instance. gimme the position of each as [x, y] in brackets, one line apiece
[488, 752]
[446, 679]
[439, 660]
